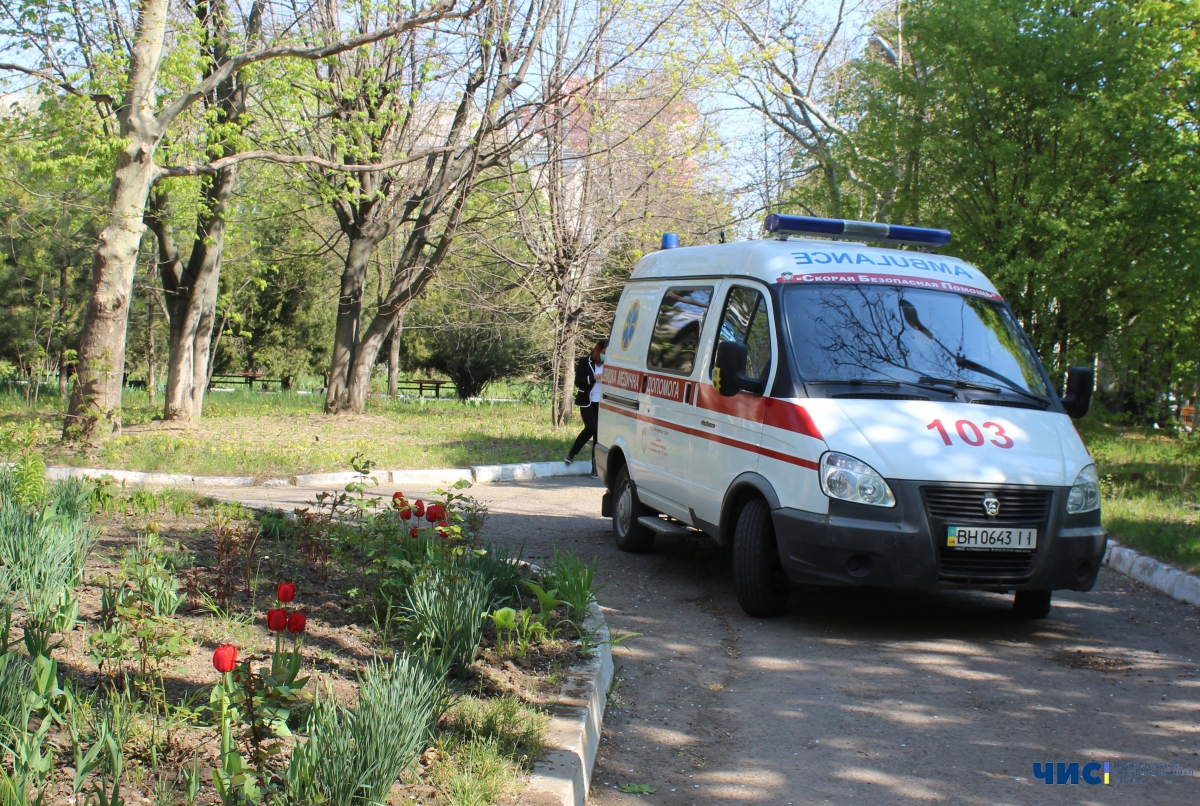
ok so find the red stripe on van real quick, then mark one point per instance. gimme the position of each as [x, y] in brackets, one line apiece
[628, 379]
[665, 386]
[733, 443]
[766, 410]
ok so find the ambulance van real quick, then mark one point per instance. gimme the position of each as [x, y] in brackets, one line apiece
[838, 413]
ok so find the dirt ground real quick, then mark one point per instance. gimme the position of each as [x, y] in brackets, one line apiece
[865, 697]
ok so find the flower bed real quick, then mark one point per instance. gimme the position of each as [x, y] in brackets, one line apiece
[355, 651]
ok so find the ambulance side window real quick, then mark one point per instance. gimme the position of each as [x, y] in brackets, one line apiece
[745, 321]
[677, 329]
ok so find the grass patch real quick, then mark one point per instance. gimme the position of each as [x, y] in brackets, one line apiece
[1149, 478]
[249, 433]
[484, 746]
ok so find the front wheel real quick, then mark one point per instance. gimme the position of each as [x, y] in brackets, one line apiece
[759, 580]
[631, 535]
[1031, 604]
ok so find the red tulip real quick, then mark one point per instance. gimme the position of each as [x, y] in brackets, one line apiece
[418, 508]
[224, 658]
[433, 513]
[413, 532]
[397, 496]
[277, 620]
[286, 591]
[296, 622]
[443, 529]
[406, 513]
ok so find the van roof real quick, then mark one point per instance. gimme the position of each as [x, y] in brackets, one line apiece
[807, 260]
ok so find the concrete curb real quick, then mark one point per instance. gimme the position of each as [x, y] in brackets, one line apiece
[138, 477]
[477, 474]
[1179, 585]
[564, 773]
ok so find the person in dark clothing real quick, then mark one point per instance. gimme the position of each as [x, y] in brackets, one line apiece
[588, 371]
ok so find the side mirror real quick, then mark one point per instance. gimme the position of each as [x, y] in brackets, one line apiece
[1078, 399]
[729, 376]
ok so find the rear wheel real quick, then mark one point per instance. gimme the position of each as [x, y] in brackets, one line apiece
[762, 586]
[1031, 604]
[631, 535]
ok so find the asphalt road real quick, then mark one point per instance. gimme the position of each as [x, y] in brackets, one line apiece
[865, 697]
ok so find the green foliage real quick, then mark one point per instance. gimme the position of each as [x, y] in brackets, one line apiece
[572, 580]
[1056, 141]
[41, 558]
[489, 741]
[353, 755]
[445, 609]
[137, 615]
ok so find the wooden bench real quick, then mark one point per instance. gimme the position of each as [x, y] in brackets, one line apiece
[246, 378]
[419, 387]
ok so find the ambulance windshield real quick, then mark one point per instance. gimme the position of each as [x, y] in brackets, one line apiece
[938, 340]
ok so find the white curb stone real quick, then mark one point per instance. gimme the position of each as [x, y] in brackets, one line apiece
[338, 479]
[432, 478]
[564, 773]
[138, 477]
[1161, 577]
[479, 474]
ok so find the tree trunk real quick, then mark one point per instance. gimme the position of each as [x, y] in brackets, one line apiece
[564, 371]
[202, 357]
[97, 394]
[63, 279]
[191, 296]
[368, 352]
[151, 362]
[394, 357]
[346, 332]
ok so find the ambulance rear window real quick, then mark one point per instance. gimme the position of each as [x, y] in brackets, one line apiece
[677, 329]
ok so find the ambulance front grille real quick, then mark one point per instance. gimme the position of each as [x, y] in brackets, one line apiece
[959, 506]
[963, 506]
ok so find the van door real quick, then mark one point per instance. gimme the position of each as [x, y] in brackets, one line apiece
[621, 383]
[668, 389]
[732, 426]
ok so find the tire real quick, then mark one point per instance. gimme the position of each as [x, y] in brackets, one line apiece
[631, 536]
[1031, 604]
[759, 580]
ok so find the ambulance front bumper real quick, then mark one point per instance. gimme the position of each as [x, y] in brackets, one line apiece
[906, 546]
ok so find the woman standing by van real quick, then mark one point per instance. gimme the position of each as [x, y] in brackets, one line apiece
[588, 370]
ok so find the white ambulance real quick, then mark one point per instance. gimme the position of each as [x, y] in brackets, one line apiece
[844, 414]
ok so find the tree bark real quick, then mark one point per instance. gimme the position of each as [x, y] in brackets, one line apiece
[97, 394]
[151, 362]
[394, 357]
[346, 332]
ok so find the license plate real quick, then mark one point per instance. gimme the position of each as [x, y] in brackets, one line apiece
[986, 538]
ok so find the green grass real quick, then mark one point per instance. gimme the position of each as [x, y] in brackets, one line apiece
[1150, 487]
[255, 434]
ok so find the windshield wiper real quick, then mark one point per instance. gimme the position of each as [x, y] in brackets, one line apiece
[975, 366]
[884, 382]
[959, 384]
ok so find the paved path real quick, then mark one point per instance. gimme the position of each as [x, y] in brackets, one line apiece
[863, 697]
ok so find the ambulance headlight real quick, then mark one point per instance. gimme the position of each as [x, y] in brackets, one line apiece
[1085, 492]
[848, 479]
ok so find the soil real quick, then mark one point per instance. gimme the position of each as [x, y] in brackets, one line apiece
[863, 696]
[337, 645]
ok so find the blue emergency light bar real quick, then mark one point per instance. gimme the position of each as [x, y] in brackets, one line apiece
[855, 230]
